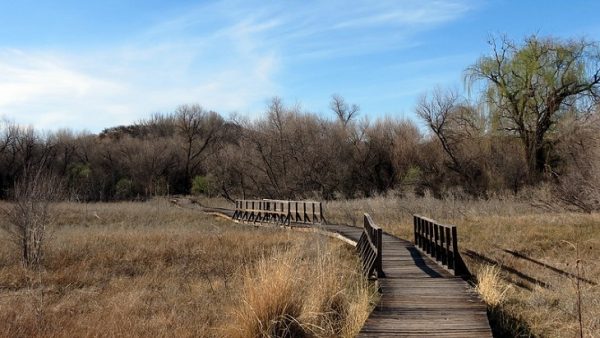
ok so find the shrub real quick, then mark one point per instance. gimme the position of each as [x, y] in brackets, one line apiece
[29, 214]
[202, 185]
[124, 189]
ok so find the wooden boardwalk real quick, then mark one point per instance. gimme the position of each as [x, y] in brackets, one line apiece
[419, 298]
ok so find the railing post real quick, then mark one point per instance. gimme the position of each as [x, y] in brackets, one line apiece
[304, 215]
[295, 212]
[267, 207]
[321, 218]
[449, 258]
[431, 240]
[379, 263]
[455, 253]
[281, 211]
[436, 238]
[425, 246]
[443, 251]
[428, 238]
[415, 229]
[259, 211]
[421, 233]
[432, 234]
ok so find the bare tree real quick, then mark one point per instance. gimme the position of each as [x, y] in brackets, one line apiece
[459, 129]
[29, 213]
[342, 110]
[578, 179]
[437, 112]
[200, 130]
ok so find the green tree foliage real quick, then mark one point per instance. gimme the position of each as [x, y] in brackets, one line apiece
[124, 189]
[202, 185]
[79, 175]
[529, 86]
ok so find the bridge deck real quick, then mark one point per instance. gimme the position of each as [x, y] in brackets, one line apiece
[419, 298]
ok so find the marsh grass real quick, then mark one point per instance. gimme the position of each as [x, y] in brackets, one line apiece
[151, 269]
[490, 285]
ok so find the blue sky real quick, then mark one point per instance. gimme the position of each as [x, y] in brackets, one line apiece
[91, 65]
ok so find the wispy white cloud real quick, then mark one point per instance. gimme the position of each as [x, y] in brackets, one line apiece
[97, 89]
[409, 13]
[227, 55]
[352, 27]
[23, 76]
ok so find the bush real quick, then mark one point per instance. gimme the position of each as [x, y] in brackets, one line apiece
[124, 189]
[29, 214]
[202, 185]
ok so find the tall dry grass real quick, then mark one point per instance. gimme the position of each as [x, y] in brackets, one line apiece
[491, 287]
[148, 269]
[320, 294]
[532, 249]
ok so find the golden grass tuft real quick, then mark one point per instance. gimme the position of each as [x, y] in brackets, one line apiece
[303, 293]
[271, 302]
[490, 286]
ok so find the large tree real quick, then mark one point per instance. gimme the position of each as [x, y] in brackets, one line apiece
[459, 127]
[200, 131]
[530, 85]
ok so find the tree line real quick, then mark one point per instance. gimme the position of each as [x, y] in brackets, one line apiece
[536, 122]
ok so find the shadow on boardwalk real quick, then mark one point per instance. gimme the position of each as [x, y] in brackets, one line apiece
[419, 261]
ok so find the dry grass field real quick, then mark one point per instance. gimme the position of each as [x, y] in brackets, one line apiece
[532, 264]
[152, 269]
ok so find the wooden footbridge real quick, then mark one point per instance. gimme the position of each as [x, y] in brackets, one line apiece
[422, 292]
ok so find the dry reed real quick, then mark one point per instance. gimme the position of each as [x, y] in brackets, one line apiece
[320, 294]
[146, 269]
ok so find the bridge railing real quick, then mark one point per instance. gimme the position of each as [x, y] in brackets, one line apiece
[306, 211]
[369, 248]
[279, 211]
[438, 241]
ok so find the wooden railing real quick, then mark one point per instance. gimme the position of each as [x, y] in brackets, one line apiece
[369, 248]
[440, 242]
[279, 211]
